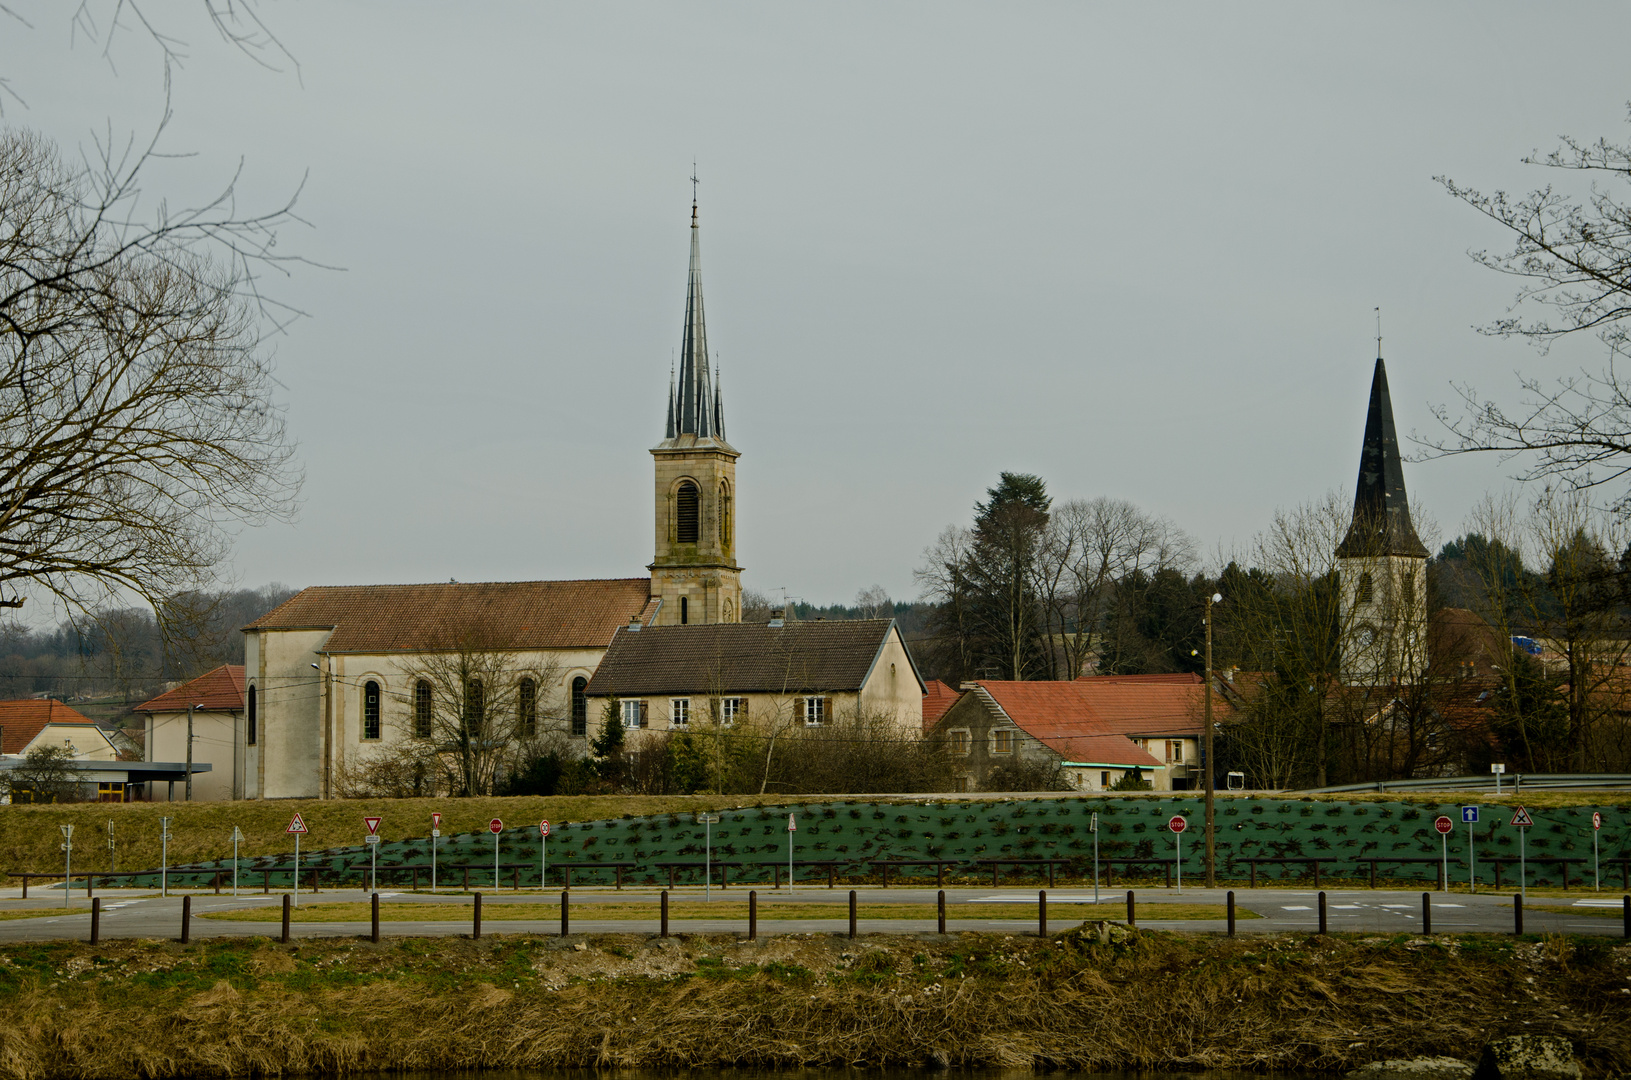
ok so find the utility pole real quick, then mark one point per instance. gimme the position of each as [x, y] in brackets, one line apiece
[1206, 753]
[189, 797]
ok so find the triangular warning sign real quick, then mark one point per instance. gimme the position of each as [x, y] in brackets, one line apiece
[298, 825]
[1522, 818]
[373, 825]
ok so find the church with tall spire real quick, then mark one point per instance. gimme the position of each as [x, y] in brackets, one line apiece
[694, 572]
[1381, 562]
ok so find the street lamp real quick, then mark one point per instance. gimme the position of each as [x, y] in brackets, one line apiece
[190, 709]
[1211, 786]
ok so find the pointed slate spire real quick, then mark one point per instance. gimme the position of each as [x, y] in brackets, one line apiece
[670, 429]
[719, 404]
[695, 412]
[1381, 521]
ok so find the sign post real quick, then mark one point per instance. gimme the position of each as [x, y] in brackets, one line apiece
[1523, 821]
[1177, 825]
[1469, 814]
[237, 835]
[113, 860]
[164, 856]
[707, 821]
[1497, 769]
[372, 840]
[495, 827]
[68, 860]
[297, 826]
[435, 831]
[792, 827]
[1596, 827]
[543, 853]
[1093, 827]
[1444, 826]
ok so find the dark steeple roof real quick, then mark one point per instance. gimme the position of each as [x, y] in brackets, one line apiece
[1381, 522]
[693, 404]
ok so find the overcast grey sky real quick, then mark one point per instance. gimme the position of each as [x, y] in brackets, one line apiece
[1134, 249]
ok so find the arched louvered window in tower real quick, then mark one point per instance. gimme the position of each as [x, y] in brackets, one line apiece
[421, 709]
[1366, 591]
[687, 510]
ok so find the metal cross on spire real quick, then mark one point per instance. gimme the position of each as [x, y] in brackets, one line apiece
[1378, 333]
[693, 184]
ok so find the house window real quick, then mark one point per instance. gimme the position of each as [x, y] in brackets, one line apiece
[686, 507]
[1366, 590]
[959, 783]
[526, 699]
[1104, 781]
[114, 792]
[370, 710]
[958, 742]
[421, 709]
[679, 712]
[815, 711]
[1175, 751]
[1002, 742]
[475, 706]
[580, 707]
[634, 714]
[252, 717]
[732, 709]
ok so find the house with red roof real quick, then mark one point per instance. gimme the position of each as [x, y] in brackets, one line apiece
[219, 727]
[35, 722]
[937, 698]
[1096, 731]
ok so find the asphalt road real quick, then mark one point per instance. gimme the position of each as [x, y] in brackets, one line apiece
[140, 914]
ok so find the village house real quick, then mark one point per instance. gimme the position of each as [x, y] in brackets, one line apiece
[99, 771]
[216, 700]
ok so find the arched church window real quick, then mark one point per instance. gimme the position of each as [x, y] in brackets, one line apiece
[253, 718]
[685, 610]
[421, 709]
[527, 707]
[687, 509]
[370, 710]
[580, 706]
[1366, 591]
[475, 706]
[725, 516]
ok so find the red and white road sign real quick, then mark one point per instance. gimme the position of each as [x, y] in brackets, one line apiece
[543, 828]
[791, 825]
[1178, 824]
[373, 825]
[1522, 819]
[1596, 821]
[436, 821]
[1444, 825]
[297, 825]
[495, 826]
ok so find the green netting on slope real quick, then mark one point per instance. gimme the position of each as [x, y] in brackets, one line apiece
[856, 832]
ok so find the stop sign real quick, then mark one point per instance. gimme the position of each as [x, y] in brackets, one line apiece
[495, 826]
[1178, 824]
[1443, 824]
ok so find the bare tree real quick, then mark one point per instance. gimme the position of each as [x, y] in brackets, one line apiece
[874, 603]
[137, 422]
[478, 705]
[47, 774]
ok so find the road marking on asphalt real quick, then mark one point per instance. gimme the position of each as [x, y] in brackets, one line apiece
[1295, 907]
[1346, 907]
[1597, 903]
[1031, 899]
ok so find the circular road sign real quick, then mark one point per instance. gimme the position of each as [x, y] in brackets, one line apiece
[495, 826]
[1596, 820]
[1444, 824]
[543, 827]
[1178, 824]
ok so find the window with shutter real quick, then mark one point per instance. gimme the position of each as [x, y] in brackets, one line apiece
[687, 513]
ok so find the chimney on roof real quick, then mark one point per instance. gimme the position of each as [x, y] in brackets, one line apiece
[634, 624]
[778, 616]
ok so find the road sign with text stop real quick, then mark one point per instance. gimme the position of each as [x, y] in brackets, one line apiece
[1178, 824]
[495, 826]
[1443, 824]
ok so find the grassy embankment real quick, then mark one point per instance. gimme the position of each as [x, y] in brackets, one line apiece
[1145, 1001]
[29, 836]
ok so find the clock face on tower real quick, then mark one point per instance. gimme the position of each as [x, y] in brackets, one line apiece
[1366, 636]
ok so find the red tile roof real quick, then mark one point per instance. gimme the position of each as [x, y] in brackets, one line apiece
[937, 698]
[1134, 705]
[221, 690]
[1099, 750]
[427, 618]
[22, 721]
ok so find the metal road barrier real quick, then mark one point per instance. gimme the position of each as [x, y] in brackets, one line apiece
[1512, 784]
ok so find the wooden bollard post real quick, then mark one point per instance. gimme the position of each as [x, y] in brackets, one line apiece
[96, 921]
[1229, 905]
[1322, 913]
[1042, 913]
[284, 937]
[665, 913]
[375, 905]
[1517, 913]
[475, 929]
[753, 915]
[940, 904]
[852, 913]
[1426, 913]
[566, 918]
[1625, 904]
[1132, 913]
[218, 883]
[186, 919]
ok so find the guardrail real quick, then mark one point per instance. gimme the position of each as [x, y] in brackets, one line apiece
[1510, 784]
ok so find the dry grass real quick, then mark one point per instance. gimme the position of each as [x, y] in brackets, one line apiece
[1152, 1001]
[691, 909]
